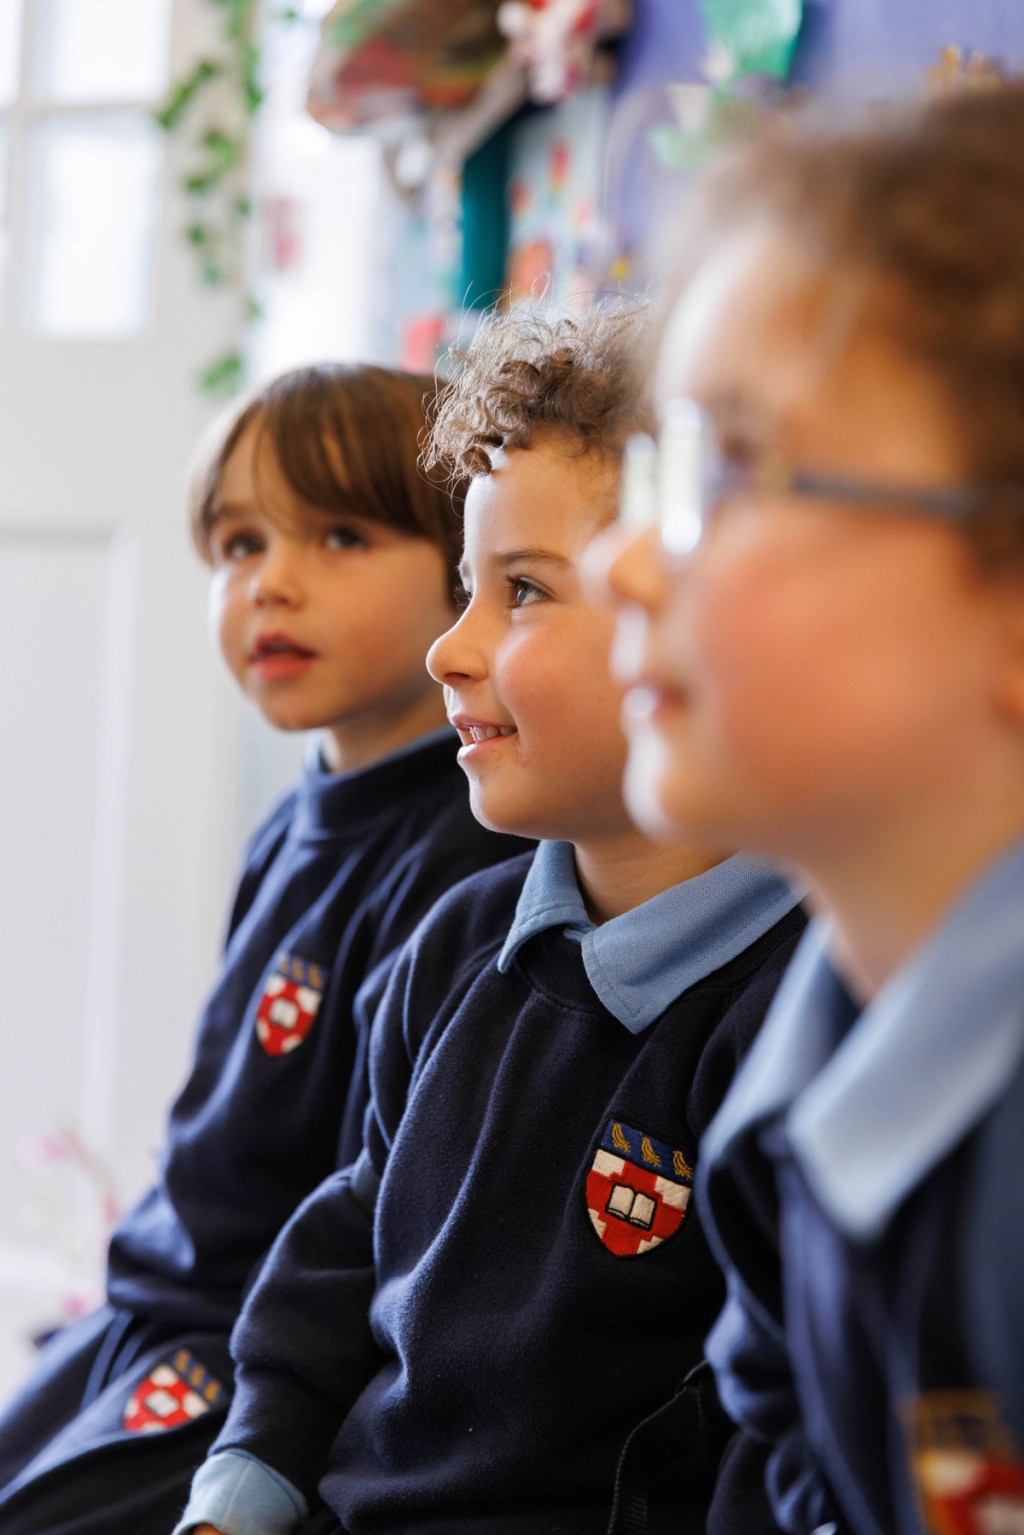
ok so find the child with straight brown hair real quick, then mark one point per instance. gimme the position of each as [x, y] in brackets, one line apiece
[826, 663]
[331, 572]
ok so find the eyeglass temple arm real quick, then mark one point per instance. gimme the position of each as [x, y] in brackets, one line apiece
[957, 501]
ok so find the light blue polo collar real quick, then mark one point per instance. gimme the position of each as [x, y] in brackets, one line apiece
[642, 961]
[871, 1111]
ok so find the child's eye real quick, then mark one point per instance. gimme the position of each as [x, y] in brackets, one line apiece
[345, 537]
[237, 547]
[524, 592]
[740, 455]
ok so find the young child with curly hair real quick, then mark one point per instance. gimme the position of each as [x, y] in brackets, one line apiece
[461, 1331]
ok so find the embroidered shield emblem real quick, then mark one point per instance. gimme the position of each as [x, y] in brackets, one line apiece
[970, 1480]
[176, 1391]
[638, 1190]
[288, 1007]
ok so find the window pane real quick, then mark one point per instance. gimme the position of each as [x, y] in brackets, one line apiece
[91, 50]
[10, 48]
[93, 207]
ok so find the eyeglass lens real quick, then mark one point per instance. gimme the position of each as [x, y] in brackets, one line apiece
[668, 482]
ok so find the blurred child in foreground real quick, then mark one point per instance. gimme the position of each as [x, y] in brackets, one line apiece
[824, 647]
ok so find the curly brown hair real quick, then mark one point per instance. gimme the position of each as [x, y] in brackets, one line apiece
[346, 438]
[542, 370]
[916, 217]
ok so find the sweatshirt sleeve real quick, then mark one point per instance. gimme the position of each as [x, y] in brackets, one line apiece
[303, 1344]
[751, 1364]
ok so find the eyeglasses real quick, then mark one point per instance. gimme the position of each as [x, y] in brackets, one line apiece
[677, 481]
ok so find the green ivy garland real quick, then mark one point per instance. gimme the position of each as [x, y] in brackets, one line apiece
[215, 103]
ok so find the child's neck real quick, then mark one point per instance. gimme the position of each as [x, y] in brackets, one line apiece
[887, 895]
[360, 742]
[623, 870]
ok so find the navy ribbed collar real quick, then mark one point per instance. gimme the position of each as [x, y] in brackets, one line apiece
[332, 802]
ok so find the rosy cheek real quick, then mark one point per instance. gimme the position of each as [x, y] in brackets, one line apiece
[718, 622]
[517, 658]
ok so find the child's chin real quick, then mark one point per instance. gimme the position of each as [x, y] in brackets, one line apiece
[494, 816]
[513, 820]
[288, 722]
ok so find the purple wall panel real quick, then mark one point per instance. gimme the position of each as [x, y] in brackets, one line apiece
[851, 49]
[667, 40]
[874, 42]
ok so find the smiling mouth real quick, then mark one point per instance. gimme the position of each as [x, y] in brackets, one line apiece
[473, 732]
[488, 732]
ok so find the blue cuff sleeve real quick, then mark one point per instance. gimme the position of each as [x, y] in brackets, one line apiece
[240, 1495]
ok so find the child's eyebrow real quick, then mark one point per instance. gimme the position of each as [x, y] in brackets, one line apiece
[221, 510]
[505, 559]
[734, 408]
[725, 398]
[311, 516]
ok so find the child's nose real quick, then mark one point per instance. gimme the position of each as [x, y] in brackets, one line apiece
[277, 578]
[457, 652]
[621, 566]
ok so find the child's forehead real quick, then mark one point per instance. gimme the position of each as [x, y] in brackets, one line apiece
[254, 481]
[810, 358]
[552, 492]
[277, 504]
[555, 462]
[753, 323]
[287, 514]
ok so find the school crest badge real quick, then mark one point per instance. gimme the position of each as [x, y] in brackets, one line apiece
[176, 1391]
[288, 1007]
[638, 1190]
[970, 1479]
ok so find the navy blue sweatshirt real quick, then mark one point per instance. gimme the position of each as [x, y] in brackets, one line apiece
[863, 1189]
[463, 1328]
[340, 874]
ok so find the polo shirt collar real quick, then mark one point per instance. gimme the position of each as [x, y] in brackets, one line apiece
[640, 962]
[870, 1110]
